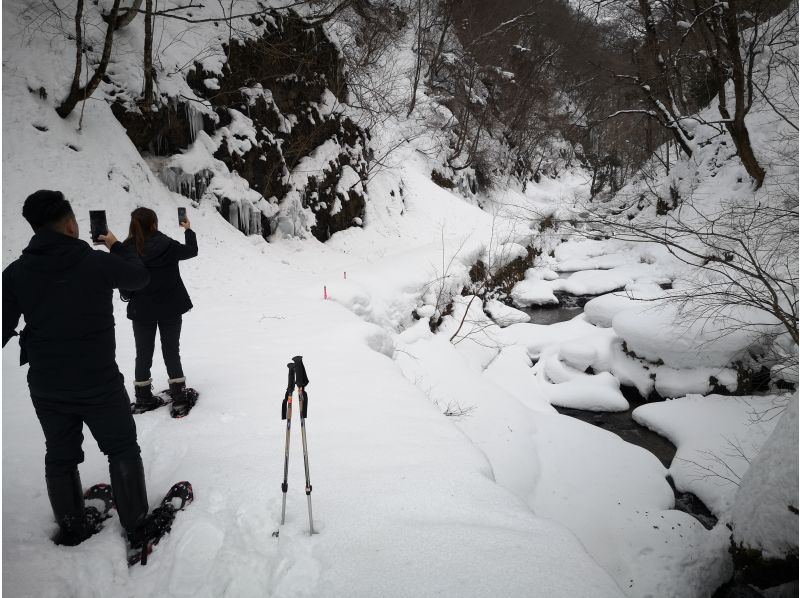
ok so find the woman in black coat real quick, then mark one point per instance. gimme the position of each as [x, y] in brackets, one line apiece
[161, 304]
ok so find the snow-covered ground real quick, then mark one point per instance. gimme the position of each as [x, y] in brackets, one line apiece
[406, 503]
[502, 496]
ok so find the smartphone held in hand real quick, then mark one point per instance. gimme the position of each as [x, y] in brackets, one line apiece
[181, 216]
[97, 225]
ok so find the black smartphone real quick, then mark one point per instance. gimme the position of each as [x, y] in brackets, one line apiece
[181, 216]
[97, 225]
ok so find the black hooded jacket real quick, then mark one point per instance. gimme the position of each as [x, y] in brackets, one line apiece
[65, 291]
[165, 296]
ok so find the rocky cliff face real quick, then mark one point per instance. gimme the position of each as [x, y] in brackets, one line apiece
[275, 118]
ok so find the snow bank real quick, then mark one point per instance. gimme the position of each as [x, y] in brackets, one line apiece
[716, 437]
[504, 315]
[762, 515]
[601, 310]
[657, 332]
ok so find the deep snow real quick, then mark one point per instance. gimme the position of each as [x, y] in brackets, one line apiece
[506, 497]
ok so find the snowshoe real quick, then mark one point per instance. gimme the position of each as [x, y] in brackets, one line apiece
[101, 497]
[145, 400]
[74, 530]
[154, 402]
[158, 523]
[182, 401]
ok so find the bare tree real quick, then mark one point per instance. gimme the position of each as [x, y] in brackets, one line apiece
[422, 28]
[78, 93]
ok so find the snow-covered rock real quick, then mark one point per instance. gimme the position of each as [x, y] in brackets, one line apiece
[764, 514]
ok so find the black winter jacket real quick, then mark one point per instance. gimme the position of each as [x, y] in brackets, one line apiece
[65, 291]
[166, 295]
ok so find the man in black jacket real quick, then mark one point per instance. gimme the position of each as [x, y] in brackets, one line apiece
[64, 290]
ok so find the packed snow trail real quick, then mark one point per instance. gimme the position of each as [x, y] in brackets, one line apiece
[404, 504]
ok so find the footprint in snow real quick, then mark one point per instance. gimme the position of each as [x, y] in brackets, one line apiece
[194, 560]
[297, 573]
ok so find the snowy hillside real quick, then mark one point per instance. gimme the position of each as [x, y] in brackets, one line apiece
[439, 463]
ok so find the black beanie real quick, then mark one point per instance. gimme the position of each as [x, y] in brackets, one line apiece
[45, 208]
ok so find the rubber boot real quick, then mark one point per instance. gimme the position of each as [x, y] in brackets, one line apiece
[66, 499]
[130, 493]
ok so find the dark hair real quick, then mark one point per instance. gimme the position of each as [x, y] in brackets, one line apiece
[45, 210]
[143, 221]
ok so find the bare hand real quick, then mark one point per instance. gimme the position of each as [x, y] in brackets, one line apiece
[109, 239]
[185, 224]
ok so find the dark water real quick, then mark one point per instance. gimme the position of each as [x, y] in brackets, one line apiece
[552, 315]
[568, 307]
[621, 423]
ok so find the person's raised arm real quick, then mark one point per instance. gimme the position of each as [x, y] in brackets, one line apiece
[122, 267]
[185, 251]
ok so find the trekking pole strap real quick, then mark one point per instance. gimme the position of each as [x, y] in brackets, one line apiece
[291, 382]
[289, 389]
[303, 395]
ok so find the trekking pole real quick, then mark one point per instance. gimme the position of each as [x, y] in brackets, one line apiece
[286, 413]
[301, 380]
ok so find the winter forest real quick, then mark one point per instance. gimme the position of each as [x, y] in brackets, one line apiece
[539, 257]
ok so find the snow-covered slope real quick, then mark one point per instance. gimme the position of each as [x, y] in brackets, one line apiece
[507, 499]
[406, 505]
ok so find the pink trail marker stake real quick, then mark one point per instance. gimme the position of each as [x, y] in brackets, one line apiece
[325, 293]
[345, 275]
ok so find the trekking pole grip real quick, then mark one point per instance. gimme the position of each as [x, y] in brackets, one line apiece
[301, 379]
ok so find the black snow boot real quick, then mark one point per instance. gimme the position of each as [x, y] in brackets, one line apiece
[130, 493]
[181, 401]
[145, 400]
[76, 522]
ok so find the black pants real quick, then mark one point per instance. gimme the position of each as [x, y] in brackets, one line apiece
[108, 417]
[145, 335]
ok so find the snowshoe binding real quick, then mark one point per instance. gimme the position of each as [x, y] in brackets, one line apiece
[158, 523]
[101, 497]
[182, 401]
[74, 530]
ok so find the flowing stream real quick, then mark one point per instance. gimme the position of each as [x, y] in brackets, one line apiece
[622, 423]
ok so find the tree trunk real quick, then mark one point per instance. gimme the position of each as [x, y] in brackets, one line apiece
[742, 90]
[724, 31]
[126, 18]
[418, 64]
[148, 57]
[76, 75]
[665, 105]
[434, 66]
[76, 92]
